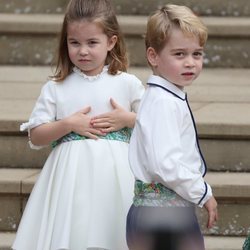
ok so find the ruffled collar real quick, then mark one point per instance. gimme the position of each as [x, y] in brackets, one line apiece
[90, 78]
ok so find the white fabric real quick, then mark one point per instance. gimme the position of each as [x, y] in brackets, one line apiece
[163, 146]
[85, 188]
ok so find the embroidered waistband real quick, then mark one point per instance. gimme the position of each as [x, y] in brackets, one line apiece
[157, 195]
[120, 135]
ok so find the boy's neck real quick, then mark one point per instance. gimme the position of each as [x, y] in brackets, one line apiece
[179, 87]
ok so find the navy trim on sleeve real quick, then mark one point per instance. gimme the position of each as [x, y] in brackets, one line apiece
[204, 195]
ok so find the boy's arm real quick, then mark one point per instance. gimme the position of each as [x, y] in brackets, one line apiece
[162, 133]
[211, 206]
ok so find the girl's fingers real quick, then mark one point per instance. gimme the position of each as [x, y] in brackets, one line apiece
[96, 132]
[108, 130]
[85, 110]
[96, 118]
[91, 136]
[100, 125]
[114, 104]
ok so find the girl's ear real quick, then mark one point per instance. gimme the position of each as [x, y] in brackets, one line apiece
[152, 56]
[111, 42]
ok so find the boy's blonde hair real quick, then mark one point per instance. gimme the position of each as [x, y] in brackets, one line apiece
[101, 13]
[163, 21]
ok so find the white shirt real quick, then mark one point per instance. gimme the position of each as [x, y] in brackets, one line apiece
[164, 145]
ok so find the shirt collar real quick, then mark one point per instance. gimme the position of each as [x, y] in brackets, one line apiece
[90, 78]
[168, 86]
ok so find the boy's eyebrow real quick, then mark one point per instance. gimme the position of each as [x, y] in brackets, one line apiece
[182, 49]
[201, 48]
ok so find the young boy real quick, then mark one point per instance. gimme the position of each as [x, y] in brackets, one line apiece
[164, 152]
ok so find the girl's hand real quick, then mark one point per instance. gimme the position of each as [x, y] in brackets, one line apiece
[114, 120]
[79, 123]
[211, 206]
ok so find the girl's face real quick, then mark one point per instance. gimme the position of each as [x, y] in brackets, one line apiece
[180, 61]
[88, 46]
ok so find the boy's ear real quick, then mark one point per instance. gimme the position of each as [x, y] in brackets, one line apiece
[152, 56]
[111, 43]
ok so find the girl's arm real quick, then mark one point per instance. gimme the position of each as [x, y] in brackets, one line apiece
[114, 120]
[79, 123]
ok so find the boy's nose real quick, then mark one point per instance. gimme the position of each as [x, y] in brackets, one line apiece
[189, 62]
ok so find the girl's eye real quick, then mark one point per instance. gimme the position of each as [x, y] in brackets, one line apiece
[179, 54]
[91, 43]
[74, 43]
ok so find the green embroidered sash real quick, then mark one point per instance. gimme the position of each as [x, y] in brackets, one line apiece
[157, 195]
[120, 135]
[246, 245]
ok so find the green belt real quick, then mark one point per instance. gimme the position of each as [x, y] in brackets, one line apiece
[120, 135]
[157, 195]
[246, 245]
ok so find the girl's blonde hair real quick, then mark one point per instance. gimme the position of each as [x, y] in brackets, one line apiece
[163, 21]
[102, 13]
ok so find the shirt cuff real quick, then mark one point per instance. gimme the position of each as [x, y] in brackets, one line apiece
[207, 195]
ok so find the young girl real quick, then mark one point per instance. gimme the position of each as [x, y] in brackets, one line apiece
[85, 188]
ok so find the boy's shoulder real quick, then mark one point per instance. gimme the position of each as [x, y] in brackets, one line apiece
[161, 94]
[165, 88]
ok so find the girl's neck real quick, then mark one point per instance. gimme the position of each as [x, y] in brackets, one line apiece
[90, 76]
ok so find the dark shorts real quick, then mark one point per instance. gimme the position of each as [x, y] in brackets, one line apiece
[163, 228]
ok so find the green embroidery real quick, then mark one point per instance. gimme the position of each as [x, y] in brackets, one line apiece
[121, 135]
[246, 245]
[156, 194]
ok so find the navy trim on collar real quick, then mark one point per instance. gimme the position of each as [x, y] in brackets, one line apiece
[156, 85]
[158, 81]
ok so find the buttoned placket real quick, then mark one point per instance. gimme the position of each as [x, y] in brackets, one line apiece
[196, 135]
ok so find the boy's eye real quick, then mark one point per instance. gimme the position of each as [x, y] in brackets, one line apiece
[198, 54]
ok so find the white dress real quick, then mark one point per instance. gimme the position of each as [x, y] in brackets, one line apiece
[85, 188]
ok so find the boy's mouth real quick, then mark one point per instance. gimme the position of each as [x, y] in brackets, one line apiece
[188, 74]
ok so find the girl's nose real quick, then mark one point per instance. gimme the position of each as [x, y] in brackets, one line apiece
[83, 51]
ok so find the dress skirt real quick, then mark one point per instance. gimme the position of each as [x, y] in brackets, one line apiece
[80, 199]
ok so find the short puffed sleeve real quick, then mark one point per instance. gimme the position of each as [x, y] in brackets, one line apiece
[44, 110]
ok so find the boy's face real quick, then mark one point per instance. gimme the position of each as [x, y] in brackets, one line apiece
[180, 61]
